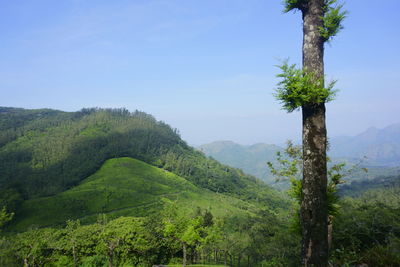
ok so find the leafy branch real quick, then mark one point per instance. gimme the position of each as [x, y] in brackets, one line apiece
[333, 17]
[299, 88]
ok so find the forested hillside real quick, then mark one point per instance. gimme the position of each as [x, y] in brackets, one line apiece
[45, 152]
[367, 227]
[125, 187]
[357, 188]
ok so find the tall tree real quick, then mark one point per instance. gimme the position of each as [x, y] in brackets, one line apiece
[305, 88]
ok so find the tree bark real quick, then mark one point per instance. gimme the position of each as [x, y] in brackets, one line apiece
[184, 255]
[313, 211]
[111, 255]
[74, 256]
[330, 231]
[225, 260]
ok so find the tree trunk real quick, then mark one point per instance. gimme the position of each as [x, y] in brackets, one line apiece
[330, 231]
[184, 255]
[74, 256]
[313, 211]
[314, 203]
[111, 257]
[224, 258]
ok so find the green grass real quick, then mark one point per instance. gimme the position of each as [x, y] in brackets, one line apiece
[123, 187]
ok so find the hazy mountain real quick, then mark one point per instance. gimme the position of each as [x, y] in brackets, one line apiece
[251, 159]
[381, 147]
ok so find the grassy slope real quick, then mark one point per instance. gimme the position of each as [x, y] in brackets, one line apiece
[123, 186]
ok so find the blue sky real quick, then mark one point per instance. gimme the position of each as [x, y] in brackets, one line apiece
[205, 67]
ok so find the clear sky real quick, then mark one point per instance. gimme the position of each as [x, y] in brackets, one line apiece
[205, 67]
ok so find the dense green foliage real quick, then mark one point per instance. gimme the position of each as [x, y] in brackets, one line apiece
[237, 240]
[367, 229]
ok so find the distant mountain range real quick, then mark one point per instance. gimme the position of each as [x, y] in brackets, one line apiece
[251, 159]
[378, 149]
[381, 147]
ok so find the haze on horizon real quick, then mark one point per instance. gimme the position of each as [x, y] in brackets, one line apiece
[204, 67]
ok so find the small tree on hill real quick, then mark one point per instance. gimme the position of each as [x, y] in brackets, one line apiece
[5, 217]
[185, 230]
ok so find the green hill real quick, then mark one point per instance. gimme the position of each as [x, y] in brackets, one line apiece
[55, 166]
[123, 187]
[44, 152]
